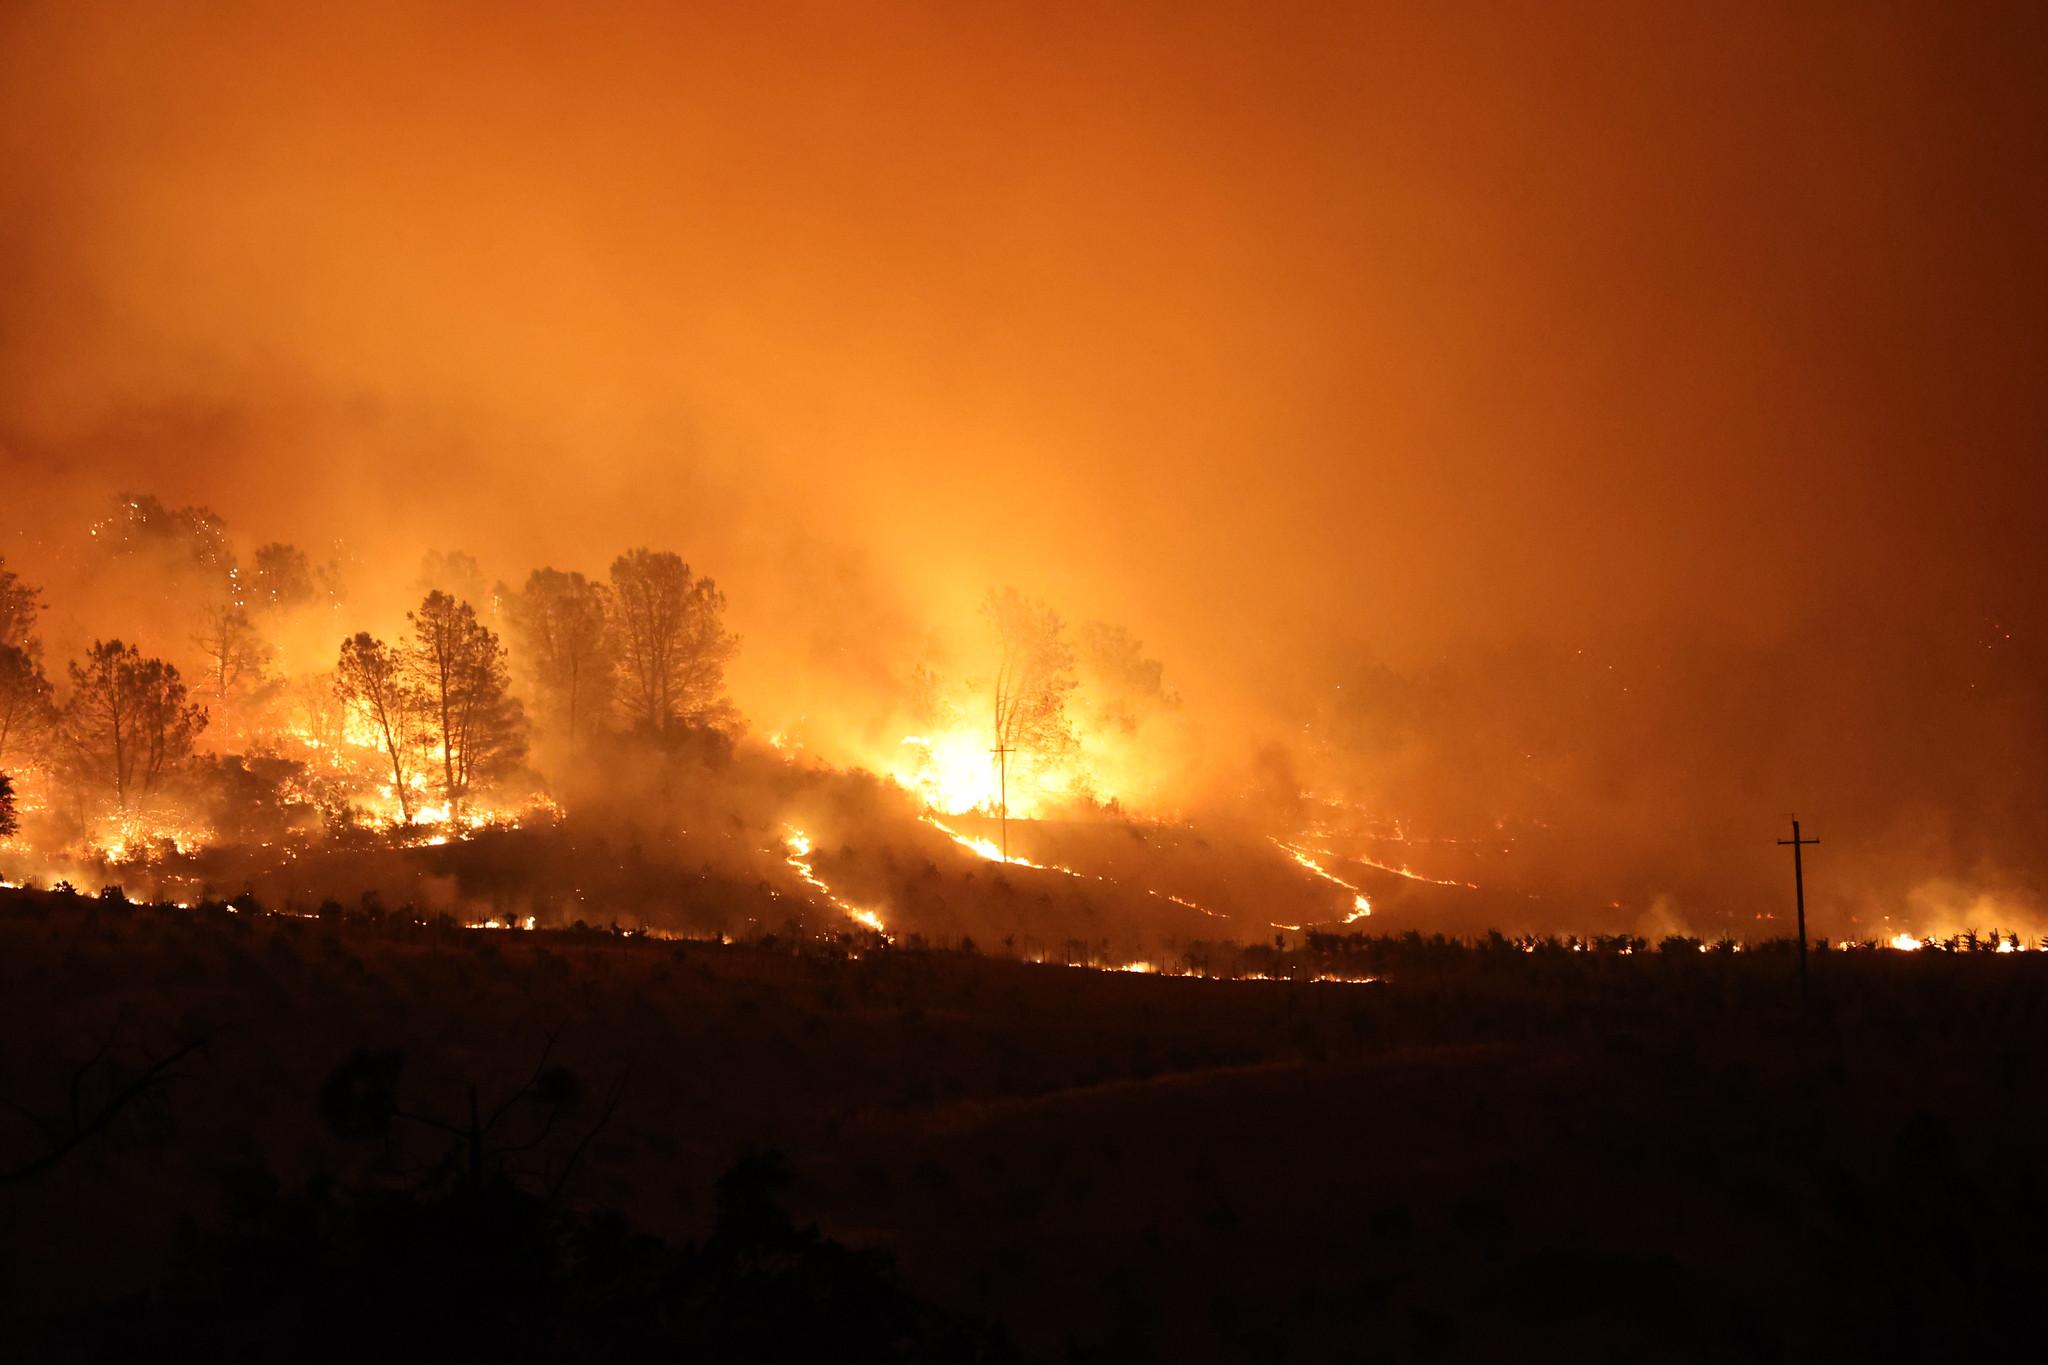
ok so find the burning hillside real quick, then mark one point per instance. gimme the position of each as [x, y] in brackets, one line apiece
[654, 657]
[581, 731]
[260, 725]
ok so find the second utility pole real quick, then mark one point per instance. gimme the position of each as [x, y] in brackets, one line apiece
[1799, 891]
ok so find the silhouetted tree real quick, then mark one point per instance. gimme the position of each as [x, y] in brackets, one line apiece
[1123, 686]
[458, 667]
[282, 578]
[1034, 675]
[27, 711]
[371, 678]
[127, 724]
[121, 1075]
[19, 604]
[9, 823]
[236, 656]
[521, 1137]
[141, 524]
[454, 572]
[254, 798]
[320, 710]
[668, 627]
[560, 621]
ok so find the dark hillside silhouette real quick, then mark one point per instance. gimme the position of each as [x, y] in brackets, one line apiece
[550, 1146]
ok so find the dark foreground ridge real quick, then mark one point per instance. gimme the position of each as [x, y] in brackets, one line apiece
[237, 1136]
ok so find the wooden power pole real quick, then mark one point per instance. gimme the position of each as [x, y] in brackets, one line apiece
[1799, 894]
[1002, 752]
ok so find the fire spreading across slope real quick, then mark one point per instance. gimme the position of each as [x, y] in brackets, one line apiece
[1360, 906]
[956, 774]
[953, 775]
[961, 771]
[1059, 754]
[798, 855]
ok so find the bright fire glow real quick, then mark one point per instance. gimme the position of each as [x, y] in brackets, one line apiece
[955, 772]
[982, 847]
[1412, 875]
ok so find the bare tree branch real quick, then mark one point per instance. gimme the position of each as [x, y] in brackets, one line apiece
[153, 1075]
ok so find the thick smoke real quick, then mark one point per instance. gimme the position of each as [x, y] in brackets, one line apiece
[1542, 455]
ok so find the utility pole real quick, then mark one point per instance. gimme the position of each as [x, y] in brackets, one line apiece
[1799, 891]
[1002, 752]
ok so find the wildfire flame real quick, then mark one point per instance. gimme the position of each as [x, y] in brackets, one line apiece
[982, 847]
[798, 856]
[1360, 906]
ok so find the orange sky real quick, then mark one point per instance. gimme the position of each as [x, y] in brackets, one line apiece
[1427, 315]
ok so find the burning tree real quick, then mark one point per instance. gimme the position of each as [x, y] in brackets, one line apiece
[128, 723]
[236, 655]
[27, 710]
[459, 670]
[19, 604]
[373, 681]
[282, 577]
[190, 539]
[672, 644]
[321, 713]
[8, 823]
[561, 623]
[165, 562]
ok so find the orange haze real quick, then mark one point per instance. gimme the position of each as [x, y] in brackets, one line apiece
[1654, 390]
